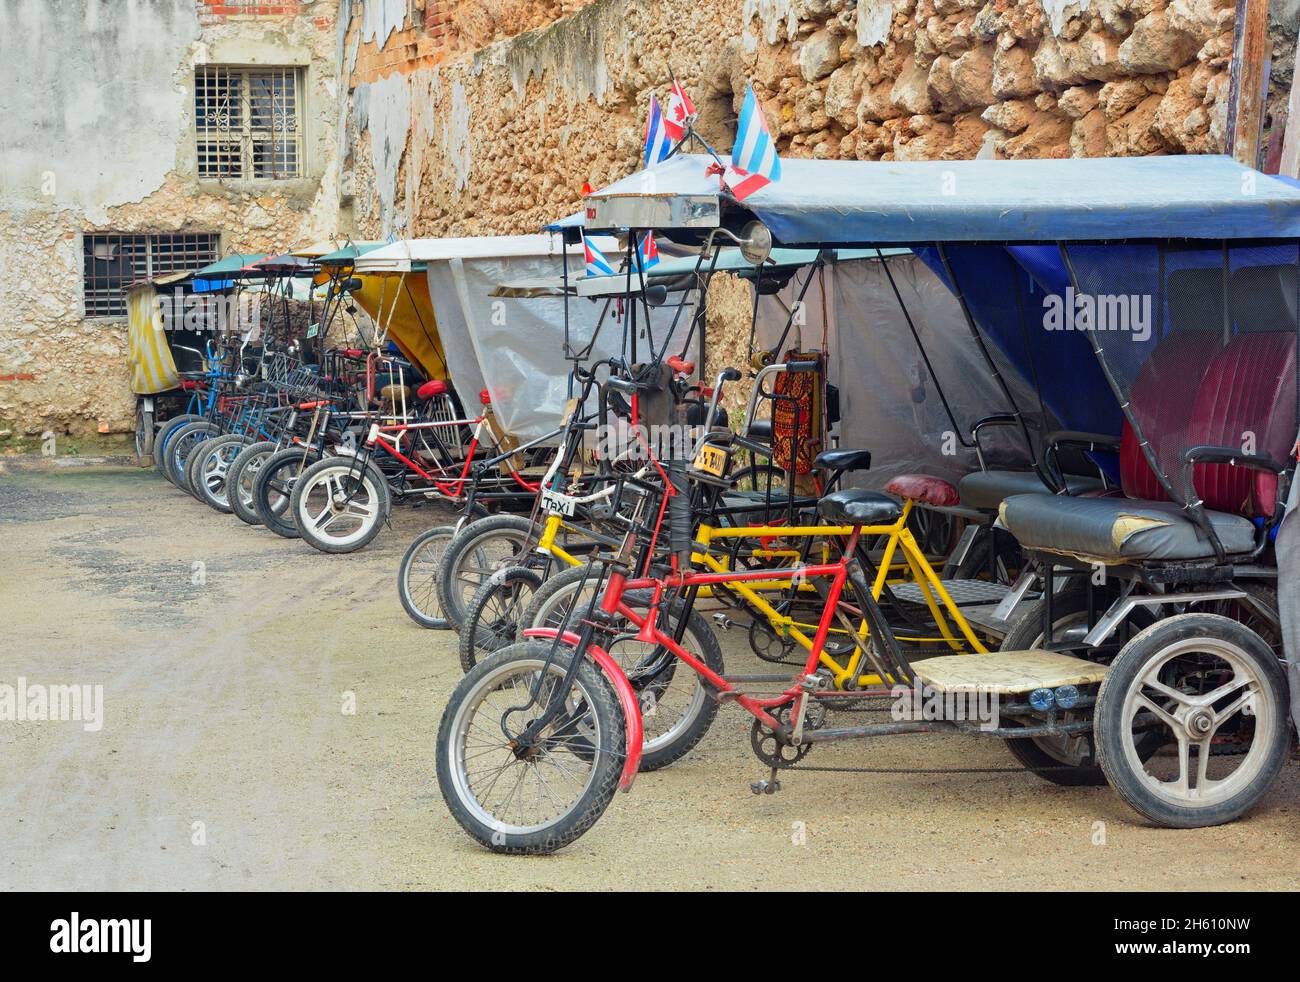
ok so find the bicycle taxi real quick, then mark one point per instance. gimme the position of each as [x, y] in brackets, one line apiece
[431, 298]
[1154, 656]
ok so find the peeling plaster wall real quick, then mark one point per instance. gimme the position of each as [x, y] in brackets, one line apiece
[523, 121]
[49, 139]
[503, 130]
[108, 146]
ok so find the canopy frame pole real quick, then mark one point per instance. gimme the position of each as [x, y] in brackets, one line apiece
[815, 266]
[993, 368]
[753, 315]
[700, 317]
[564, 285]
[1195, 509]
[925, 355]
[435, 346]
[645, 303]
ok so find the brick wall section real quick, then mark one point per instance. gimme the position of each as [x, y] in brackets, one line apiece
[216, 11]
[415, 46]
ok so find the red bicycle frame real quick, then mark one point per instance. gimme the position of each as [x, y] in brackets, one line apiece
[648, 631]
[453, 487]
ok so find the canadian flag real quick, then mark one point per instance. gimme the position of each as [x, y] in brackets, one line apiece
[680, 109]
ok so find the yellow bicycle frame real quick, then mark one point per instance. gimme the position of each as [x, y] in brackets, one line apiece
[956, 632]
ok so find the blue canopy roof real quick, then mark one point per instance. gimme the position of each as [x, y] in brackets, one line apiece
[918, 202]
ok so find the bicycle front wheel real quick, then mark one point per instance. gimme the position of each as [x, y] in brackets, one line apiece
[539, 798]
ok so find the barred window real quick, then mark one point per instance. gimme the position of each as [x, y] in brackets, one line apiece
[248, 122]
[113, 261]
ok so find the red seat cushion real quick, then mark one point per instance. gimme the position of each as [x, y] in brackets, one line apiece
[431, 389]
[924, 488]
[1245, 401]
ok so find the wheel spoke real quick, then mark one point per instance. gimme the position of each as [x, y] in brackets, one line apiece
[1161, 713]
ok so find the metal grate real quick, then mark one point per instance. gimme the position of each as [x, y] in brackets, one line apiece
[248, 122]
[112, 262]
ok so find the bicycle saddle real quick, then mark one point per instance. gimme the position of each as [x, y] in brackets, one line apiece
[843, 460]
[857, 507]
[431, 389]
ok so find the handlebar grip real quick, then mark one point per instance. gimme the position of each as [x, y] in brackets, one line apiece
[679, 365]
[802, 366]
[731, 375]
[626, 385]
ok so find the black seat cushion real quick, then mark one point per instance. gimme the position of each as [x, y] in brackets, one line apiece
[1118, 530]
[760, 429]
[986, 489]
[843, 460]
[854, 507]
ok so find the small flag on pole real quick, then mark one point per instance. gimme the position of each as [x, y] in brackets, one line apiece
[647, 251]
[657, 144]
[680, 109]
[754, 163]
[597, 264]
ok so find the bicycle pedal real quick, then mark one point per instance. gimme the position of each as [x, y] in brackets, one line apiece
[766, 786]
[723, 622]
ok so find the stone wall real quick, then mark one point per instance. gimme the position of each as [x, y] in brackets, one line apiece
[103, 140]
[460, 128]
[478, 131]
[435, 117]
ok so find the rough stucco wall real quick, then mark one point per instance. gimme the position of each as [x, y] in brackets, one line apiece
[480, 132]
[111, 148]
[500, 137]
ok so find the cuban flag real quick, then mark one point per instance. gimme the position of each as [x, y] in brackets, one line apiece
[680, 109]
[754, 163]
[657, 144]
[647, 252]
[597, 264]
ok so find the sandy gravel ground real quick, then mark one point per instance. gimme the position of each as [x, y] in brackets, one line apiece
[223, 706]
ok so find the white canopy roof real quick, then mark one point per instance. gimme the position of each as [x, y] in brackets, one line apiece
[401, 257]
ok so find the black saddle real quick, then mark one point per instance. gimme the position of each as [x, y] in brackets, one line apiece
[843, 460]
[856, 507]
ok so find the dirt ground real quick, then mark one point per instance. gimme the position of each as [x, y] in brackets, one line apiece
[224, 691]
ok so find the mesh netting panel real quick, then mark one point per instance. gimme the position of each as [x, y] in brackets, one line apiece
[1201, 344]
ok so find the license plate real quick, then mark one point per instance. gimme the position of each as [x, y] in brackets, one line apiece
[711, 460]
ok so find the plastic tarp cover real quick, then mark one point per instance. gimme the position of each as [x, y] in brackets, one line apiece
[514, 347]
[823, 202]
[889, 402]
[152, 368]
[1287, 548]
[400, 304]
